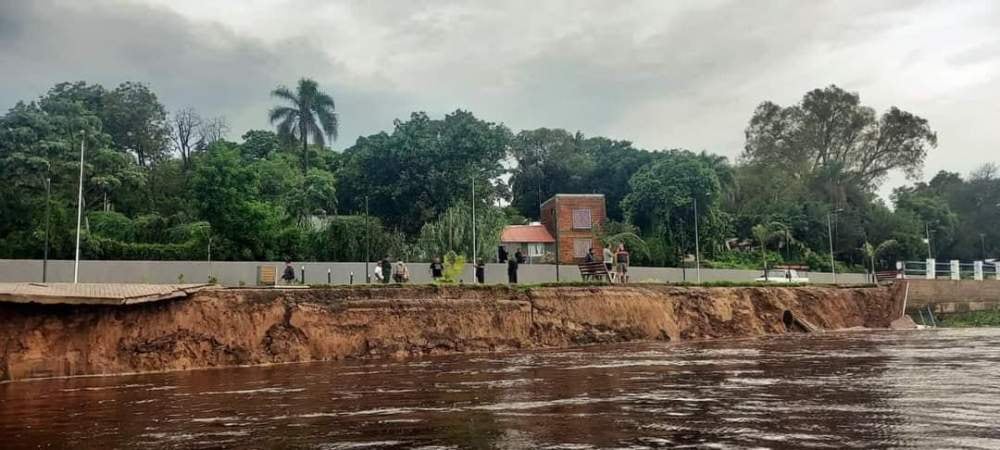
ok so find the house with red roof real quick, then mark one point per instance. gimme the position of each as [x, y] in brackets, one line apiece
[534, 241]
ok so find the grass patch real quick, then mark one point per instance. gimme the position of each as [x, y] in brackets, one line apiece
[988, 318]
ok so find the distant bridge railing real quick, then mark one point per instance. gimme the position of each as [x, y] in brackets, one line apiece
[932, 269]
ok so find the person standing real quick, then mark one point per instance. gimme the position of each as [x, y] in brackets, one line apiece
[480, 271]
[512, 264]
[386, 271]
[378, 271]
[437, 269]
[622, 258]
[402, 273]
[609, 262]
[289, 275]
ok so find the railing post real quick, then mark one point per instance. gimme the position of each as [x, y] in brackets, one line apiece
[956, 270]
[978, 270]
[901, 269]
[931, 269]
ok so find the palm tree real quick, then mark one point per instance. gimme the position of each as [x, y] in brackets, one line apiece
[873, 252]
[311, 113]
[767, 232]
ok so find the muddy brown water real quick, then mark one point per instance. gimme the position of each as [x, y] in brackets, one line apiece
[932, 389]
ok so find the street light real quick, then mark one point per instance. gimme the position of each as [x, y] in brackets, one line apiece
[927, 240]
[45, 261]
[555, 220]
[829, 230]
[697, 242]
[368, 258]
[474, 261]
[79, 213]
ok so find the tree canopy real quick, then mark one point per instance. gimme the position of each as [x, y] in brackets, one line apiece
[173, 186]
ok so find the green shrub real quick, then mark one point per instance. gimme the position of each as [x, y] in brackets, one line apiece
[94, 247]
[454, 264]
[112, 225]
[743, 260]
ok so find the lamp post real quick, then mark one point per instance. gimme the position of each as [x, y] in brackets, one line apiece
[555, 221]
[368, 278]
[79, 213]
[474, 261]
[45, 260]
[829, 230]
[927, 229]
[982, 241]
[697, 245]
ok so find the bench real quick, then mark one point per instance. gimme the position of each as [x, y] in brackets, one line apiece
[594, 269]
[887, 275]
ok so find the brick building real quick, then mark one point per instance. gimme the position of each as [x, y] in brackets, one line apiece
[579, 218]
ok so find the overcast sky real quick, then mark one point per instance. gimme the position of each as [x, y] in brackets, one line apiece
[663, 74]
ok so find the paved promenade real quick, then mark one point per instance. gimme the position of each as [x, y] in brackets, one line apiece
[95, 293]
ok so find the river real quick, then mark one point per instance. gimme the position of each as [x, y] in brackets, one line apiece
[932, 389]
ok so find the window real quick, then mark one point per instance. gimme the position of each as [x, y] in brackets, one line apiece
[535, 249]
[580, 247]
[581, 219]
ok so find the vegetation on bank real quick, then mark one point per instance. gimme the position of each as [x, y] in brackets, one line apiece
[988, 318]
[165, 186]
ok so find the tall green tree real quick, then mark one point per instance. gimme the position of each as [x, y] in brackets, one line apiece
[136, 121]
[831, 129]
[555, 161]
[419, 170]
[310, 113]
[661, 202]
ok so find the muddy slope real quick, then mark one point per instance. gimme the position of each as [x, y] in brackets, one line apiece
[237, 327]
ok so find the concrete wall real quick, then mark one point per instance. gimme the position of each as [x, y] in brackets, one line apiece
[232, 273]
[950, 295]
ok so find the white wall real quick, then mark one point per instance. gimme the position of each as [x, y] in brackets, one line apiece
[233, 273]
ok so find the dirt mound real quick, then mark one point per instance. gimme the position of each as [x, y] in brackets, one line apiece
[251, 326]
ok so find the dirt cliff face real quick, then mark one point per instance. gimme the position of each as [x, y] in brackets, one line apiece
[251, 326]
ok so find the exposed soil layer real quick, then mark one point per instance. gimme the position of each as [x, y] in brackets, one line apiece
[258, 326]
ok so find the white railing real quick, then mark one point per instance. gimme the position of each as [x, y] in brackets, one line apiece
[950, 270]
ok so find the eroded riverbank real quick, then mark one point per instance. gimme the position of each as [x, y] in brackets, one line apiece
[259, 326]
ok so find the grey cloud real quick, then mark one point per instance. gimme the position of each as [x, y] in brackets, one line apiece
[663, 74]
[188, 63]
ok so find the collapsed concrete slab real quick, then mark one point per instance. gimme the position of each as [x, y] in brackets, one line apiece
[95, 293]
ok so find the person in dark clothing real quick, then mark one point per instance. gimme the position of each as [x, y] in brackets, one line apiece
[289, 276]
[480, 271]
[590, 256]
[519, 257]
[512, 269]
[386, 271]
[437, 269]
[502, 254]
[622, 258]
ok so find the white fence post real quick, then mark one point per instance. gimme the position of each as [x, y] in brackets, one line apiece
[931, 269]
[955, 270]
[978, 270]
